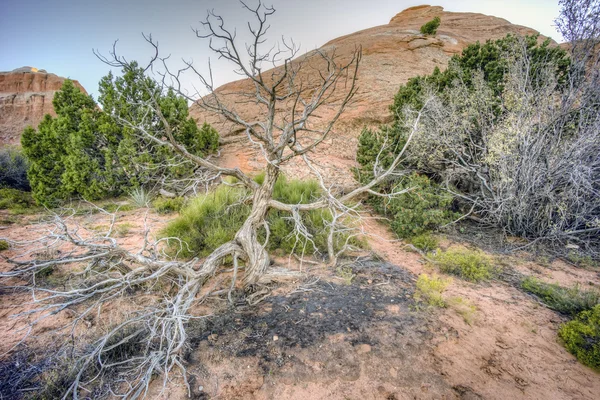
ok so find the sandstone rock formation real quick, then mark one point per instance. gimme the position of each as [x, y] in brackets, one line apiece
[392, 54]
[25, 97]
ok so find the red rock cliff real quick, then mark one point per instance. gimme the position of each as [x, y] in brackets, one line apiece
[25, 97]
[392, 54]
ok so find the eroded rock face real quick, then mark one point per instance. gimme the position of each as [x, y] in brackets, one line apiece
[26, 95]
[391, 54]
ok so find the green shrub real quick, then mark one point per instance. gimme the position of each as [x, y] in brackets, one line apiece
[13, 169]
[430, 289]
[581, 337]
[84, 152]
[569, 301]
[430, 28]
[425, 242]
[13, 199]
[164, 205]
[423, 208]
[471, 265]
[4, 245]
[212, 219]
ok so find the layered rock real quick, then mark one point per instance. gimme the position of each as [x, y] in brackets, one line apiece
[391, 54]
[25, 97]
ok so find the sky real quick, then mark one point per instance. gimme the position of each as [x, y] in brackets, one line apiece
[60, 35]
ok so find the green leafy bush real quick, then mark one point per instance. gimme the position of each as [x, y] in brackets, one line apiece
[430, 289]
[425, 242]
[569, 301]
[423, 208]
[13, 169]
[212, 219]
[164, 205]
[4, 245]
[430, 28]
[581, 337]
[471, 265]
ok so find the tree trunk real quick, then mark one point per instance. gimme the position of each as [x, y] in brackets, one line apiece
[257, 260]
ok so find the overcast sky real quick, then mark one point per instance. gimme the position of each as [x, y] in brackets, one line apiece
[59, 35]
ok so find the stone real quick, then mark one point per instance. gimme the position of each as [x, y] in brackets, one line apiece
[363, 348]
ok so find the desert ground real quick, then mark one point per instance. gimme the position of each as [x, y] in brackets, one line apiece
[347, 332]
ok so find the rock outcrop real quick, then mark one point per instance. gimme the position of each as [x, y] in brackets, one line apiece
[25, 97]
[392, 54]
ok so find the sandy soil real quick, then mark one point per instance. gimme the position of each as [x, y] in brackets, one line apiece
[511, 349]
[328, 336]
[27, 228]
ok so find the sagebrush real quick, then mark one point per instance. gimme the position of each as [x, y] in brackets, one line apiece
[511, 128]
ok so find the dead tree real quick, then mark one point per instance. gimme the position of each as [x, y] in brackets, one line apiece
[304, 85]
[301, 87]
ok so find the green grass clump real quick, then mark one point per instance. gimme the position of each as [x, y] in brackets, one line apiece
[208, 221]
[569, 301]
[464, 308]
[140, 197]
[46, 272]
[212, 219]
[471, 265]
[15, 200]
[164, 205]
[346, 273]
[4, 245]
[114, 207]
[425, 242]
[430, 289]
[581, 337]
[123, 230]
[581, 260]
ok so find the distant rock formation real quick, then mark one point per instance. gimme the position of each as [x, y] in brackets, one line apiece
[26, 95]
[392, 54]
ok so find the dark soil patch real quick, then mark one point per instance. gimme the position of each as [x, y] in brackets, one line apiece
[318, 310]
[364, 333]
